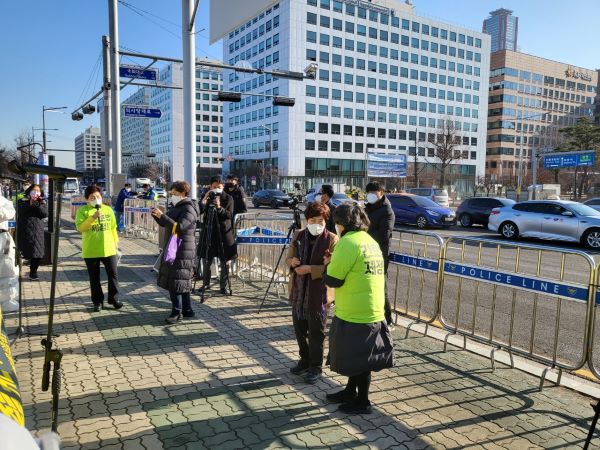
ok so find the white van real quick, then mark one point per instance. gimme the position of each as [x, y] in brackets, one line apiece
[440, 196]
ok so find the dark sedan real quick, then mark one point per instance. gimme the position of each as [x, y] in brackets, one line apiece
[477, 210]
[270, 197]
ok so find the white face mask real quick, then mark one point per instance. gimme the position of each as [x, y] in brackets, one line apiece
[318, 198]
[95, 202]
[372, 198]
[218, 190]
[339, 230]
[315, 228]
[175, 199]
[128, 189]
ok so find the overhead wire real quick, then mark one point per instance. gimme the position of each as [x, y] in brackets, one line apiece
[88, 85]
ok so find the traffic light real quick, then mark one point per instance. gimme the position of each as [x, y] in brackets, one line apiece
[284, 101]
[235, 97]
[77, 116]
[88, 109]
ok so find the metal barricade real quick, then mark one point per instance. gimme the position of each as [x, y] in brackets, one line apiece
[530, 300]
[10, 397]
[77, 202]
[594, 329]
[137, 219]
[413, 278]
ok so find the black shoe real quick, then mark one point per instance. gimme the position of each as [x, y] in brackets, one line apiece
[189, 314]
[312, 376]
[173, 319]
[97, 307]
[300, 368]
[356, 407]
[116, 304]
[343, 396]
[34, 277]
[224, 291]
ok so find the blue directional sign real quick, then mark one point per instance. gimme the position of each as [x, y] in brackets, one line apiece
[138, 72]
[569, 159]
[141, 111]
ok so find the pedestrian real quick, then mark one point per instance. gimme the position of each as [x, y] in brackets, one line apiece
[324, 196]
[233, 188]
[149, 193]
[124, 194]
[98, 226]
[176, 277]
[30, 230]
[309, 297]
[359, 338]
[222, 242]
[20, 195]
[382, 220]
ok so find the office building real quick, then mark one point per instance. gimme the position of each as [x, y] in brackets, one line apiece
[503, 27]
[166, 133]
[89, 158]
[135, 132]
[531, 99]
[597, 111]
[386, 80]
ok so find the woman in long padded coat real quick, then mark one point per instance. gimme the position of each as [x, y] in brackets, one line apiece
[30, 233]
[177, 277]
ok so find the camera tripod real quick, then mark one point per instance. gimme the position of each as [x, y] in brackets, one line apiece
[295, 225]
[205, 256]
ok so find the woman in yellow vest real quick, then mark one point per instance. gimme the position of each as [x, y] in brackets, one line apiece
[96, 222]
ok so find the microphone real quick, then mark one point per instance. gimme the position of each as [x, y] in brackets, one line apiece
[98, 209]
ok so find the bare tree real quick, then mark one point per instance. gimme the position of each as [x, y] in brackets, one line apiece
[484, 183]
[145, 170]
[446, 147]
[22, 139]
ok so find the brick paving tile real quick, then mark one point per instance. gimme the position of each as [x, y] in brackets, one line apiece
[222, 379]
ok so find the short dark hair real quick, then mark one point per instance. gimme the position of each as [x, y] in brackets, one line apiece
[328, 190]
[127, 185]
[216, 179]
[232, 177]
[316, 209]
[374, 186]
[181, 186]
[30, 188]
[351, 216]
[90, 190]
[145, 185]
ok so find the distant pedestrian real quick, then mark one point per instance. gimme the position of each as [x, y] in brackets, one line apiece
[149, 193]
[30, 229]
[324, 196]
[359, 338]
[98, 226]
[382, 220]
[124, 194]
[233, 188]
[176, 277]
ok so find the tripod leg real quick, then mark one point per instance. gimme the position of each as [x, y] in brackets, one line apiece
[592, 426]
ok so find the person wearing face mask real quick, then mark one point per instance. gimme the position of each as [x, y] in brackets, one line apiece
[225, 250]
[177, 277]
[324, 196]
[124, 194]
[309, 297]
[98, 226]
[233, 188]
[21, 195]
[149, 193]
[359, 339]
[382, 218]
[32, 212]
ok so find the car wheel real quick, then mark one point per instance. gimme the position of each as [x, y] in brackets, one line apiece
[274, 205]
[509, 230]
[591, 239]
[422, 222]
[466, 221]
[256, 205]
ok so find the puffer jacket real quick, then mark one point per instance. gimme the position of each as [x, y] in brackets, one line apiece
[30, 233]
[177, 277]
[382, 218]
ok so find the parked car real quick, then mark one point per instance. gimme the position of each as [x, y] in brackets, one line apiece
[337, 199]
[477, 210]
[552, 220]
[270, 197]
[593, 203]
[420, 211]
[160, 192]
[440, 196]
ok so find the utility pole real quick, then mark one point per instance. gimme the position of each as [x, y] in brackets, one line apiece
[106, 126]
[115, 91]
[188, 12]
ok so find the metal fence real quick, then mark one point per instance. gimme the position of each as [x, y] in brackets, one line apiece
[77, 202]
[138, 221]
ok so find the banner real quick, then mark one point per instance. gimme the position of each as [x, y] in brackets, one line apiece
[385, 165]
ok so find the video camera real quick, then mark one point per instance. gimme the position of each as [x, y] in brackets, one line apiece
[212, 195]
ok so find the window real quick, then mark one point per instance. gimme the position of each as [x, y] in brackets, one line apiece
[324, 21]
[309, 144]
[311, 91]
[310, 109]
[311, 54]
[323, 146]
[311, 18]
[309, 127]
[323, 128]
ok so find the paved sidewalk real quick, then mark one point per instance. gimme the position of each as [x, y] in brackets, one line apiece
[222, 380]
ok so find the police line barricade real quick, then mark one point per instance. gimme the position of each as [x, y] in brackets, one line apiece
[138, 221]
[78, 201]
[412, 279]
[594, 333]
[530, 300]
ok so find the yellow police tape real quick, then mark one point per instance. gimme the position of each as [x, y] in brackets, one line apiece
[10, 398]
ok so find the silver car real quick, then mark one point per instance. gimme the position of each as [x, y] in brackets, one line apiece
[593, 203]
[552, 220]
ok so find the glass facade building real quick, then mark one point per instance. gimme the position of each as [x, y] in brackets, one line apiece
[503, 27]
[135, 132]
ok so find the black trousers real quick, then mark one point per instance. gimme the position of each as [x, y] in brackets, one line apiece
[310, 334]
[387, 307]
[224, 275]
[360, 383]
[34, 264]
[93, 268]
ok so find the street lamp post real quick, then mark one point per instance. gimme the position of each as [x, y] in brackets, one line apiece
[270, 131]
[44, 178]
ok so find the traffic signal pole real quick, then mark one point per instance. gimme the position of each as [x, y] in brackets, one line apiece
[115, 83]
[106, 128]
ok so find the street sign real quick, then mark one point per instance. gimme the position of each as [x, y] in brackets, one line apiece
[560, 160]
[138, 72]
[253, 180]
[386, 165]
[141, 111]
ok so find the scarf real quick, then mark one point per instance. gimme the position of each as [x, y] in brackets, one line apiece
[309, 297]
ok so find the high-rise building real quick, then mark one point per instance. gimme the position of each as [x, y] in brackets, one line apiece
[531, 99]
[597, 111]
[166, 133]
[504, 29]
[387, 79]
[88, 148]
[135, 132]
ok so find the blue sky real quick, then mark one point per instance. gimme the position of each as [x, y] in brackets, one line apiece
[50, 48]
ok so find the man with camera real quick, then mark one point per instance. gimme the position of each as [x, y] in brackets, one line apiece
[233, 188]
[217, 239]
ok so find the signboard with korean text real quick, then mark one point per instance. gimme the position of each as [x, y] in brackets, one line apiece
[138, 72]
[569, 159]
[142, 111]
